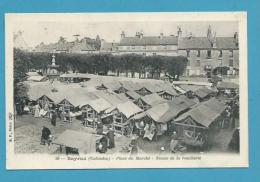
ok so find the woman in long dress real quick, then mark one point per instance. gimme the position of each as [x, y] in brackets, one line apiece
[37, 111]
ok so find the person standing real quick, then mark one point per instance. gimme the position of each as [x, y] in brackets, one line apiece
[111, 137]
[37, 111]
[45, 135]
[99, 128]
[133, 146]
[53, 118]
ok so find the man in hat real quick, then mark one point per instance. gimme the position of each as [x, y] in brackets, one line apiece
[133, 146]
[111, 137]
[53, 118]
[174, 142]
[45, 135]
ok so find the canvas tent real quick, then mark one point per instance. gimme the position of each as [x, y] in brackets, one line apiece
[204, 93]
[228, 88]
[196, 122]
[148, 101]
[94, 111]
[121, 114]
[79, 142]
[132, 95]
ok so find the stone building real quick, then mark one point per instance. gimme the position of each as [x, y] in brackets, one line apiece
[148, 45]
[206, 53]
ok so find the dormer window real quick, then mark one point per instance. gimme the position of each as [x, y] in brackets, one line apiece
[220, 53]
[231, 53]
[198, 53]
[208, 54]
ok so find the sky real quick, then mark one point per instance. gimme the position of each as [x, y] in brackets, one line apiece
[49, 31]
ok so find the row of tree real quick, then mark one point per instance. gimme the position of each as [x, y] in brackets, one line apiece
[103, 63]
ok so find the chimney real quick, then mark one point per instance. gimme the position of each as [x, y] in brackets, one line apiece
[214, 40]
[190, 35]
[236, 38]
[122, 35]
[141, 34]
[179, 32]
[161, 35]
[137, 34]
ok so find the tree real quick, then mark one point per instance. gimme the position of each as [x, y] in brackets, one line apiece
[21, 64]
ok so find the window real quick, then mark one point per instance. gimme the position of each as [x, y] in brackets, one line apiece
[231, 63]
[188, 64]
[220, 53]
[198, 53]
[188, 53]
[209, 54]
[231, 53]
[198, 63]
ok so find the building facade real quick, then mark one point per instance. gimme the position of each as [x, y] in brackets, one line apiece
[148, 45]
[206, 53]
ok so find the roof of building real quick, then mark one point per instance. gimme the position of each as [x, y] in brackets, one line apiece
[204, 43]
[183, 101]
[99, 105]
[108, 46]
[165, 112]
[112, 85]
[37, 78]
[152, 99]
[151, 87]
[203, 92]
[226, 43]
[205, 113]
[63, 45]
[77, 97]
[76, 75]
[112, 98]
[227, 85]
[133, 94]
[83, 45]
[130, 85]
[83, 141]
[128, 109]
[149, 40]
[123, 97]
[192, 88]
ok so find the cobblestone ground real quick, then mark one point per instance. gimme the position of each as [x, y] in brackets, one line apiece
[28, 134]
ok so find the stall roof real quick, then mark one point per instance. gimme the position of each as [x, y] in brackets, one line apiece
[111, 98]
[112, 85]
[128, 109]
[36, 78]
[192, 88]
[130, 85]
[133, 95]
[227, 85]
[191, 83]
[151, 87]
[205, 113]
[77, 75]
[203, 92]
[77, 97]
[76, 139]
[123, 97]
[183, 101]
[99, 105]
[152, 99]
